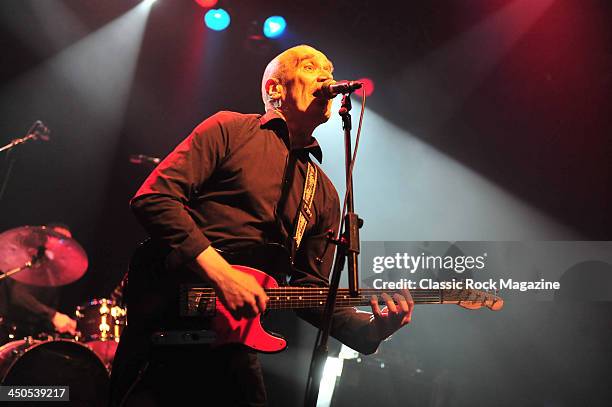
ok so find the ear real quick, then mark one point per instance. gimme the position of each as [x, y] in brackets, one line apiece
[274, 89]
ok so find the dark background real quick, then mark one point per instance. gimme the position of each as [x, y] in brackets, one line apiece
[515, 91]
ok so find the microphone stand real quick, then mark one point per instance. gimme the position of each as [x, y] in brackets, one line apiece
[36, 259]
[347, 249]
[38, 131]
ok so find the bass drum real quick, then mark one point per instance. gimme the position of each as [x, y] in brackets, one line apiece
[30, 362]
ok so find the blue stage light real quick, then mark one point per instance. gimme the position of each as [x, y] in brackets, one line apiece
[274, 26]
[217, 19]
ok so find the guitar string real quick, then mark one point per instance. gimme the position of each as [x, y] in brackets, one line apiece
[306, 296]
[220, 306]
[341, 291]
[353, 301]
[317, 295]
[310, 295]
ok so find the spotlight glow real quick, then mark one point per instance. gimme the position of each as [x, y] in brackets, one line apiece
[274, 26]
[368, 86]
[217, 19]
[206, 3]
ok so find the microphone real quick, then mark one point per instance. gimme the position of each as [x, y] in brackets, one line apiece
[143, 159]
[39, 131]
[331, 89]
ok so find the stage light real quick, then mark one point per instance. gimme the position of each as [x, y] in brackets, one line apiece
[274, 26]
[368, 87]
[149, 2]
[207, 3]
[217, 19]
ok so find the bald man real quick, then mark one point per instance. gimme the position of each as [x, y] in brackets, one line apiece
[236, 181]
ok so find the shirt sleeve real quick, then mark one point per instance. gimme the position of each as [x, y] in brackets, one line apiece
[22, 297]
[160, 204]
[349, 325]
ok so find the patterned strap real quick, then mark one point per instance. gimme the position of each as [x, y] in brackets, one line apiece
[305, 210]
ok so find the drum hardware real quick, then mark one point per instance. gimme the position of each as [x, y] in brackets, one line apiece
[51, 258]
[8, 330]
[38, 255]
[99, 325]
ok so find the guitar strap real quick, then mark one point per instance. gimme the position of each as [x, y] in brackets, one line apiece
[305, 208]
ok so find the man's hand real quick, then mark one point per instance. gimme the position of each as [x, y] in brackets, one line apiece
[395, 315]
[63, 323]
[239, 292]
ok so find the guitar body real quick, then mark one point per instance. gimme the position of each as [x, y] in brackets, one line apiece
[247, 331]
[154, 305]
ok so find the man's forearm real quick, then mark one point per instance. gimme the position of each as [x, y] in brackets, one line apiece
[210, 266]
[22, 297]
[350, 326]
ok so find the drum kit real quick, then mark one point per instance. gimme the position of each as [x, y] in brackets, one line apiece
[40, 256]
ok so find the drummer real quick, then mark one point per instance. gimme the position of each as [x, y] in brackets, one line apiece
[29, 310]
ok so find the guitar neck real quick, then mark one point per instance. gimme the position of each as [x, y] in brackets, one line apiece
[312, 297]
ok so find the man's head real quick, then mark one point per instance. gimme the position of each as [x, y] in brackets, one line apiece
[290, 81]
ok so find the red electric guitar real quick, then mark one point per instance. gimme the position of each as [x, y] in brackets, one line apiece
[176, 307]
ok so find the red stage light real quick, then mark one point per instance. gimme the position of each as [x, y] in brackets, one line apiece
[368, 86]
[206, 3]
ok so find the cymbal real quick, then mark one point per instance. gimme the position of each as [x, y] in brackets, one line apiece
[56, 259]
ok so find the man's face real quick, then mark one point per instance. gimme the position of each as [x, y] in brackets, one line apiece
[304, 76]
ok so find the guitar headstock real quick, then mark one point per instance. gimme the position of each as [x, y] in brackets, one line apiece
[475, 299]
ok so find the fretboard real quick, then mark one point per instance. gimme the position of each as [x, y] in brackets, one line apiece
[312, 297]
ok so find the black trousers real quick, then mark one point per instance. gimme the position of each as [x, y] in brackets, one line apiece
[147, 376]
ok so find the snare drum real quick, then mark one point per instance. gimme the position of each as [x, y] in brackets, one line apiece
[30, 362]
[100, 323]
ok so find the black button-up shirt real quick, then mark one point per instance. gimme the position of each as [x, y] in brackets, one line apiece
[235, 181]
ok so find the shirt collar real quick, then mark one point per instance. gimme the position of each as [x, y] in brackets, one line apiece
[274, 121]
